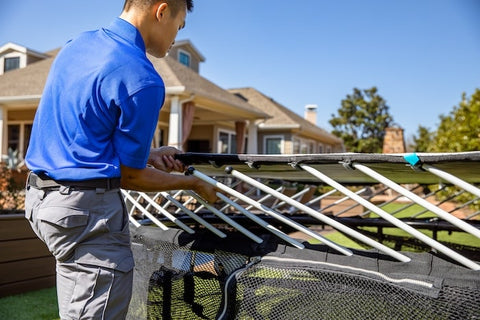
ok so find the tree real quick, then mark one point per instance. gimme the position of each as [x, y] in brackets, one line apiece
[362, 120]
[424, 140]
[460, 129]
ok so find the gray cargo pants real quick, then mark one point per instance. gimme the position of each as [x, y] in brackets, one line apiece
[88, 233]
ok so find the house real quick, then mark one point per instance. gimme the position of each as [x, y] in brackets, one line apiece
[198, 115]
[286, 131]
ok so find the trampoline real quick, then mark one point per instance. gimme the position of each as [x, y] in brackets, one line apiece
[260, 252]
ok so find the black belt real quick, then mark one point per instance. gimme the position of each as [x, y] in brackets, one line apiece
[44, 182]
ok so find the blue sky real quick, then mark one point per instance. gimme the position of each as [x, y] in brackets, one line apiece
[420, 54]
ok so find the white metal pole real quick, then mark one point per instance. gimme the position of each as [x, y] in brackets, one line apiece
[262, 223]
[317, 199]
[225, 218]
[134, 222]
[335, 224]
[272, 213]
[264, 198]
[144, 211]
[167, 214]
[424, 203]
[193, 215]
[295, 196]
[451, 178]
[395, 221]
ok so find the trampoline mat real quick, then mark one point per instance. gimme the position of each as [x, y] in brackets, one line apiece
[465, 166]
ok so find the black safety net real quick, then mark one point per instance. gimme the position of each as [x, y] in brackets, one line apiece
[184, 276]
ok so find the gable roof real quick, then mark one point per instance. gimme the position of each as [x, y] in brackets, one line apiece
[282, 116]
[191, 48]
[30, 81]
[10, 46]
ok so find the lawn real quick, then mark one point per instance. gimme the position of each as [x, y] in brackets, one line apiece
[35, 305]
[452, 237]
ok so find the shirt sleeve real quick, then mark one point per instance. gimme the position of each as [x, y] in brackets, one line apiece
[136, 126]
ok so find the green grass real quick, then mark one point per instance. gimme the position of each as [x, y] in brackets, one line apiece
[453, 237]
[35, 305]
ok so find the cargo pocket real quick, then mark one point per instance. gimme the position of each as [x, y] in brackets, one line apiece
[117, 257]
[62, 228]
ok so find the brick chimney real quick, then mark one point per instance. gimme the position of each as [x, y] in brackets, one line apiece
[311, 113]
[394, 142]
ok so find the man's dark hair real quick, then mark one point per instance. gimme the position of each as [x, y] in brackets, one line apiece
[175, 5]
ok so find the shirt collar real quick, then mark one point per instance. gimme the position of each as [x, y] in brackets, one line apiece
[127, 31]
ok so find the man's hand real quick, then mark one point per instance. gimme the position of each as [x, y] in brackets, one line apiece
[206, 190]
[163, 159]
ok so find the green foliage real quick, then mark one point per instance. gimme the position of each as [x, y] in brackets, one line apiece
[422, 142]
[361, 121]
[459, 130]
[12, 159]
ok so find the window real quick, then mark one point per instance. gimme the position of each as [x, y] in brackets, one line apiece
[227, 142]
[158, 138]
[296, 146]
[184, 58]
[14, 137]
[19, 137]
[273, 144]
[11, 64]
[27, 132]
[320, 148]
[302, 146]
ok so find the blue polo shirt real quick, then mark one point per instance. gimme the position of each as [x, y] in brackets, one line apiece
[99, 108]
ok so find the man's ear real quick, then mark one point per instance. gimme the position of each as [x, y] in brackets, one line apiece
[161, 9]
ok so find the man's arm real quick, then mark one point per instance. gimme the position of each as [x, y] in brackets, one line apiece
[157, 176]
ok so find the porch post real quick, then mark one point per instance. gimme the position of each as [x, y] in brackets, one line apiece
[175, 125]
[252, 147]
[3, 130]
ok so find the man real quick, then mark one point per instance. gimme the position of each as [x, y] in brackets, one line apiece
[92, 135]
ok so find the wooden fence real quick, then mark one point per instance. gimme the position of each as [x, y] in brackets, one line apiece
[25, 262]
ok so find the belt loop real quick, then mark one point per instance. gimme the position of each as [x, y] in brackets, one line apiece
[27, 183]
[64, 190]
